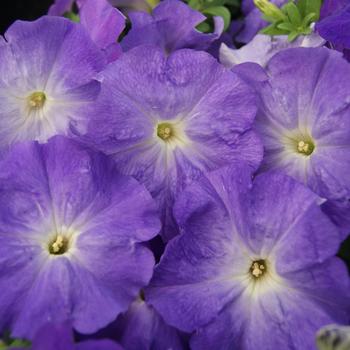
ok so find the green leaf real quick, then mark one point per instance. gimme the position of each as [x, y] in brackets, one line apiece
[220, 11]
[295, 20]
[213, 3]
[305, 31]
[270, 10]
[285, 26]
[272, 30]
[235, 3]
[270, 19]
[152, 3]
[20, 343]
[313, 6]
[292, 36]
[204, 4]
[195, 4]
[293, 14]
[6, 343]
[301, 4]
[308, 19]
[72, 16]
[204, 27]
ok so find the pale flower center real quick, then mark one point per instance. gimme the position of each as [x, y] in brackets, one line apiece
[305, 147]
[260, 278]
[36, 100]
[171, 134]
[165, 131]
[299, 142]
[258, 269]
[59, 245]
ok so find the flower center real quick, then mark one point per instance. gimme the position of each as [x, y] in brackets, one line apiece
[59, 245]
[165, 131]
[36, 100]
[299, 143]
[305, 147]
[258, 268]
[142, 295]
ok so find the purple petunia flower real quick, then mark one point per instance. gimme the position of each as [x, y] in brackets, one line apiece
[142, 328]
[60, 337]
[60, 7]
[71, 233]
[165, 120]
[171, 26]
[104, 23]
[46, 79]
[254, 266]
[304, 120]
[336, 28]
[263, 47]
[101, 20]
[330, 7]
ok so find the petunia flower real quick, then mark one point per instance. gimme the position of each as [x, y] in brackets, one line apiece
[254, 265]
[303, 120]
[335, 29]
[104, 23]
[142, 328]
[330, 7]
[71, 238]
[60, 7]
[334, 25]
[46, 79]
[263, 47]
[60, 337]
[101, 20]
[166, 119]
[171, 26]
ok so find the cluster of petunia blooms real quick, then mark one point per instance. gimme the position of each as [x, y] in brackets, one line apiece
[171, 191]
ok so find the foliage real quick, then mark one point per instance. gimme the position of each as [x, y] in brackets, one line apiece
[292, 19]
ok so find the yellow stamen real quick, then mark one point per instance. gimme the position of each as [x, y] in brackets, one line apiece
[258, 268]
[305, 147]
[59, 245]
[36, 100]
[165, 131]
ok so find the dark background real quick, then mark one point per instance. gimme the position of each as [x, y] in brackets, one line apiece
[21, 9]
